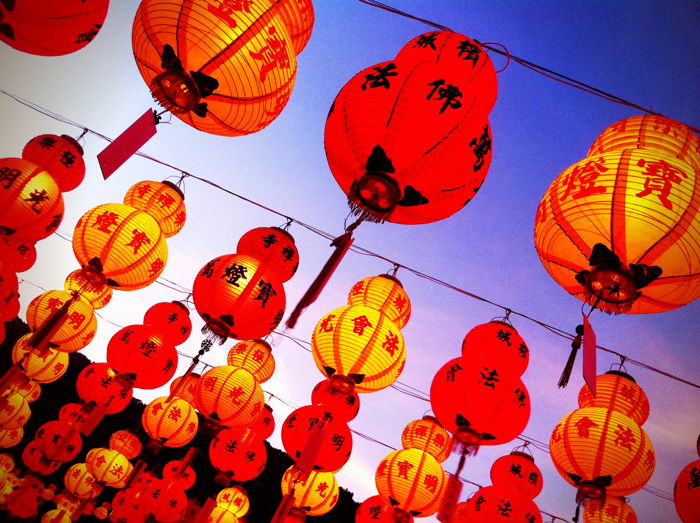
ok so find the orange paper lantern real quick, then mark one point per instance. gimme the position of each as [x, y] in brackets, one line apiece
[617, 391]
[61, 156]
[162, 200]
[612, 510]
[44, 368]
[10, 437]
[316, 493]
[234, 499]
[97, 293]
[184, 387]
[384, 293]
[108, 466]
[428, 435]
[231, 396]
[238, 453]
[272, 245]
[255, 357]
[298, 16]
[81, 483]
[172, 423]
[126, 443]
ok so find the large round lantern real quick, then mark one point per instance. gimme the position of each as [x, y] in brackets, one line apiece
[255, 357]
[234, 499]
[48, 28]
[411, 480]
[497, 340]
[98, 294]
[99, 383]
[618, 230]
[230, 396]
[162, 200]
[14, 411]
[240, 454]
[172, 318]
[108, 466]
[223, 69]
[345, 404]
[335, 445]
[518, 470]
[126, 443]
[385, 293]
[601, 451]
[360, 343]
[61, 155]
[315, 493]
[504, 504]
[618, 391]
[429, 436]
[171, 423]
[221, 515]
[685, 493]
[59, 440]
[238, 297]
[81, 483]
[31, 204]
[612, 510]
[121, 244]
[272, 246]
[44, 368]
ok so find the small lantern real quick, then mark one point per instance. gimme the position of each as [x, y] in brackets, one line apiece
[14, 411]
[504, 504]
[230, 396]
[99, 383]
[618, 391]
[428, 435]
[182, 478]
[61, 156]
[271, 246]
[45, 368]
[612, 510]
[10, 437]
[375, 509]
[184, 387]
[234, 499]
[345, 404]
[384, 293]
[171, 423]
[59, 440]
[315, 493]
[497, 340]
[81, 483]
[19, 254]
[170, 318]
[126, 443]
[108, 466]
[255, 357]
[162, 200]
[34, 460]
[98, 294]
[238, 454]
[685, 493]
[518, 470]
[264, 426]
[298, 16]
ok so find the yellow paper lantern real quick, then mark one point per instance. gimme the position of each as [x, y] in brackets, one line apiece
[81, 483]
[234, 499]
[98, 294]
[44, 368]
[617, 391]
[162, 200]
[7, 464]
[14, 411]
[29, 388]
[10, 437]
[316, 493]
[221, 515]
[385, 293]
[229, 395]
[612, 510]
[108, 466]
[172, 423]
[428, 435]
[255, 357]
[56, 516]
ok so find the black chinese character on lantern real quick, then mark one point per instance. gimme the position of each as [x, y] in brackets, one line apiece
[449, 94]
[481, 147]
[467, 50]
[265, 292]
[234, 273]
[426, 41]
[381, 78]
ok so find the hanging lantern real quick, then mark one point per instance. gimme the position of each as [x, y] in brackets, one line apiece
[14, 411]
[234, 499]
[27, 387]
[384, 293]
[175, 474]
[264, 426]
[17, 253]
[56, 516]
[126, 443]
[162, 200]
[34, 460]
[43, 368]
[345, 404]
[613, 510]
[497, 340]
[59, 440]
[120, 244]
[31, 204]
[618, 230]
[184, 387]
[221, 515]
[74, 413]
[61, 156]
[316, 493]
[171, 423]
[360, 343]
[618, 391]
[376, 509]
[166, 503]
[255, 357]
[518, 470]
[108, 466]
[238, 454]
[10, 437]
[238, 297]
[99, 383]
[230, 396]
[81, 483]
[142, 353]
[223, 69]
[685, 493]
[601, 451]
[429, 436]
[411, 480]
[172, 319]
[98, 294]
[272, 246]
[501, 504]
[298, 16]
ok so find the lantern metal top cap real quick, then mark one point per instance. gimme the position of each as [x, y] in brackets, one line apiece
[621, 374]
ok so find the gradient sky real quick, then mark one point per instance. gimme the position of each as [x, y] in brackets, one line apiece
[642, 51]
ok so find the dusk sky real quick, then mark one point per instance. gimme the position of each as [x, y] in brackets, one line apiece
[645, 52]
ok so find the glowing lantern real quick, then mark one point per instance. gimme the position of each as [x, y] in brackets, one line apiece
[271, 246]
[10, 484]
[99, 383]
[497, 340]
[376, 509]
[345, 404]
[29, 388]
[226, 70]
[238, 297]
[44, 368]
[264, 426]
[184, 387]
[239, 454]
[494, 504]
[172, 423]
[7, 464]
[601, 451]
[81, 483]
[475, 404]
[315, 493]
[61, 155]
[108, 466]
[229, 395]
[298, 16]
[30, 201]
[234, 499]
[96, 293]
[34, 460]
[255, 357]
[166, 502]
[612, 510]
[685, 493]
[143, 353]
[411, 480]
[121, 244]
[19, 254]
[518, 470]
[617, 391]
[126, 443]
[14, 411]
[56, 516]
[429, 436]
[172, 319]
[48, 28]
[384, 293]
[360, 343]
[74, 413]
[618, 230]
[59, 440]
[162, 200]
[10, 437]
[221, 515]
[175, 474]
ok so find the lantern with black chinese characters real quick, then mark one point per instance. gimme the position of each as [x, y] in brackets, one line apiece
[264, 426]
[99, 383]
[271, 246]
[234, 499]
[384, 293]
[238, 297]
[518, 470]
[34, 460]
[497, 339]
[316, 493]
[166, 502]
[612, 510]
[601, 452]
[412, 481]
[43, 368]
[81, 483]
[14, 411]
[345, 404]
[108, 466]
[375, 509]
[172, 318]
[170, 423]
[59, 440]
[255, 357]
[98, 294]
[237, 454]
[618, 391]
[17, 253]
[428, 435]
[162, 200]
[183, 477]
[184, 387]
[126, 443]
[501, 504]
[61, 155]
[31, 204]
[120, 245]
[49, 28]
[223, 69]
[685, 492]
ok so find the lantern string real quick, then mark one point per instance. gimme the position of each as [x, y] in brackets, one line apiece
[375, 3]
[506, 53]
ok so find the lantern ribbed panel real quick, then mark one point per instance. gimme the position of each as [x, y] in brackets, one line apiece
[81, 483]
[221, 515]
[518, 470]
[613, 510]
[298, 16]
[642, 206]
[80, 326]
[593, 442]
[15, 411]
[98, 382]
[264, 426]
[162, 200]
[97, 295]
[345, 405]
[429, 436]
[10, 437]
[45, 368]
[316, 495]
[384, 293]
[658, 133]
[186, 390]
[173, 422]
[30, 389]
[108, 466]
[230, 395]
[128, 242]
[56, 516]
[494, 504]
[238, 297]
[61, 156]
[31, 203]
[126, 443]
[497, 340]
[172, 318]
[59, 440]
[234, 499]
[255, 357]
[411, 480]
[241, 453]
[246, 49]
[617, 392]
[271, 246]
[374, 509]
[685, 493]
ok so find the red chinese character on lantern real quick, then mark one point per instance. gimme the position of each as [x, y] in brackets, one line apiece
[175, 413]
[404, 467]
[209, 383]
[225, 9]
[660, 177]
[138, 240]
[624, 438]
[156, 266]
[235, 395]
[53, 304]
[361, 323]
[431, 482]
[357, 289]
[391, 343]
[321, 489]
[76, 319]
[105, 220]
[272, 55]
[400, 302]
[581, 180]
[381, 469]
[165, 200]
[326, 324]
[583, 425]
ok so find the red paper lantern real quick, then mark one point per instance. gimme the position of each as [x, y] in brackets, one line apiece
[99, 383]
[126, 443]
[376, 509]
[617, 391]
[181, 478]
[17, 253]
[43, 368]
[167, 503]
[494, 504]
[315, 493]
[518, 470]
[34, 459]
[61, 156]
[97, 293]
[47, 28]
[172, 319]
[273, 246]
[255, 357]
[685, 493]
[345, 404]
[385, 293]
[59, 440]
[171, 423]
[264, 426]
[238, 453]
[230, 396]
[429, 436]
[497, 341]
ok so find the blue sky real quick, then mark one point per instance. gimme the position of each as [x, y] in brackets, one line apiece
[645, 52]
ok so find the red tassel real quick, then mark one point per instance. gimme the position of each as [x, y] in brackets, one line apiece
[575, 346]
